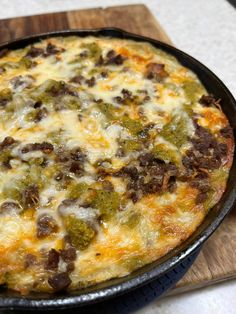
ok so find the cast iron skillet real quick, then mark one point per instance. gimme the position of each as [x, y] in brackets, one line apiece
[114, 287]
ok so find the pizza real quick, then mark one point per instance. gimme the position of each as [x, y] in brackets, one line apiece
[111, 154]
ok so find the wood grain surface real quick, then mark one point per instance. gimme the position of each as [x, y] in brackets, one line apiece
[217, 260]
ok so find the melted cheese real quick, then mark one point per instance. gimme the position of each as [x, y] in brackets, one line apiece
[139, 232]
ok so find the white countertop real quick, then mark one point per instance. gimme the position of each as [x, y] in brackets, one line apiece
[206, 29]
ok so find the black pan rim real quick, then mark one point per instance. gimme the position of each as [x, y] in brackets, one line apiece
[14, 301]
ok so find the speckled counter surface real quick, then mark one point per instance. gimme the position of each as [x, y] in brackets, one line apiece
[206, 29]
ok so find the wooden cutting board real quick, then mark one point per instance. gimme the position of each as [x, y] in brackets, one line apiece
[217, 260]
